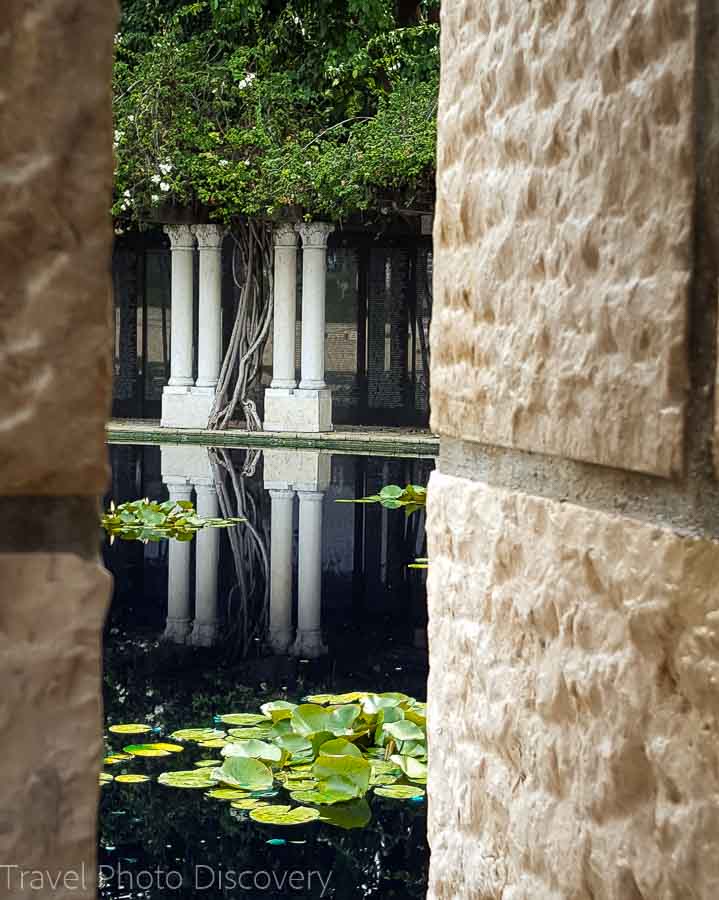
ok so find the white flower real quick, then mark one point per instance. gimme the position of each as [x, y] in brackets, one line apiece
[156, 179]
[119, 136]
[247, 80]
[165, 168]
[155, 198]
[224, 162]
[130, 118]
[126, 194]
[164, 186]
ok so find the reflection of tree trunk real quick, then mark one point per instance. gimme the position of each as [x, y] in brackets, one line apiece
[242, 365]
[249, 598]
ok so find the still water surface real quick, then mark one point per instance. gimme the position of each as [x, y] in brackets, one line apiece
[324, 603]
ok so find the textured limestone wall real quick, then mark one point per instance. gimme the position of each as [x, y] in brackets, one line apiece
[55, 175]
[578, 654]
[573, 524]
[564, 214]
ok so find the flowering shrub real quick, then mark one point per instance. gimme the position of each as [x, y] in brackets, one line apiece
[250, 106]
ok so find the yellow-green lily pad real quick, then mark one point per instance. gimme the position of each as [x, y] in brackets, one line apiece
[400, 791]
[132, 728]
[131, 779]
[284, 815]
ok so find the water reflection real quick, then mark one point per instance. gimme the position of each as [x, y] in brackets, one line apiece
[307, 596]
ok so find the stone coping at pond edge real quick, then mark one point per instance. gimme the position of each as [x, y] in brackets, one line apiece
[345, 439]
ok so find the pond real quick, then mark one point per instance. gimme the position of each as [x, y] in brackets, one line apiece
[308, 596]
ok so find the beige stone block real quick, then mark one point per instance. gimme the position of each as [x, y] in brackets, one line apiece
[563, 228]
[51, 616]
[573, 702]
[55, 233]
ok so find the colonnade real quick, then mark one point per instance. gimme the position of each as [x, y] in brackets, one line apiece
[186, 401]
[185, 469]
[289, 406]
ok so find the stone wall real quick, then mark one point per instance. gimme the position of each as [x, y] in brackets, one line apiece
[55, 350]
[574, 597]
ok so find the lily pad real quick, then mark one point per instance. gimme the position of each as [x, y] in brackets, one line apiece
[213, 743]
[106, 778]
[254, 732]
[339, 747]
[116, 758]
[254, 749]
[171, 748]
[335, 699]
[246, 773]
[146, 750]
[242, 719]
[343, 773]
[249, 803]
[226, 794]
[278, 710]
[400, 791]
[412, 768]
[208, 763]
[283, 815]
[404, 731]
[322, 796]
[197, 734]
[198, 779]
[132, 728]
[131, 779]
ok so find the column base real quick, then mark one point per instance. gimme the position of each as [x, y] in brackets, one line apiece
[280, 641]
[176, 631]
[298, 410]
[186, 407]
[308, 644]
[204, 634]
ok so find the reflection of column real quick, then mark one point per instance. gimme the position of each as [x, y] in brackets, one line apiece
[285, 308]
[182, 243]
[207, 553]
[314, 282]
[178, 577]
[281, 569]
[309, 613]
[209, 344]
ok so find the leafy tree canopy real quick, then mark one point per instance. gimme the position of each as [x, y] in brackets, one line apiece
[251, 106]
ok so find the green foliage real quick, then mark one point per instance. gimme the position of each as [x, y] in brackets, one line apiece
[323, 754]
[147, 520]
[251, 106]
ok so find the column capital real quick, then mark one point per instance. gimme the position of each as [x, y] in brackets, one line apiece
[181, 237]
[285, 235]
[281, 493]
[209, 237]
[314, 234]
[311, 496]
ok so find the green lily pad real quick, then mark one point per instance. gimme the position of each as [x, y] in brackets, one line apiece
[412, 768]
[106, 778]
[336, 699]
[208, 763]
[199, 779]
[131, 779]
[293, 743]
[170, 748]
[132, 728]
[116, 758]
[246, 773]
[339, 747]
[400, 791]
[278, 710]
[226, 794]
[322, 796]
[242, 719]
[146, 750]
[213, 743]
[197, 734]
[254, 732]
[283, 815]
[254, 749]
[404, 731]
[343, 773]
[249, 803]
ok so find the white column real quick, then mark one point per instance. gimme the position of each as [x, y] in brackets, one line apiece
[314, 274]
[177, 626]
[209, 345]
[207, 557]
[182, 243]
[309, 612]
[281, 569]
[285, 308]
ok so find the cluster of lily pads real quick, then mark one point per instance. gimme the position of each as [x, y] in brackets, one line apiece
[149, 520]
[321, 757]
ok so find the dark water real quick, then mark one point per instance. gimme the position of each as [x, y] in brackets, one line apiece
[244, 645]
